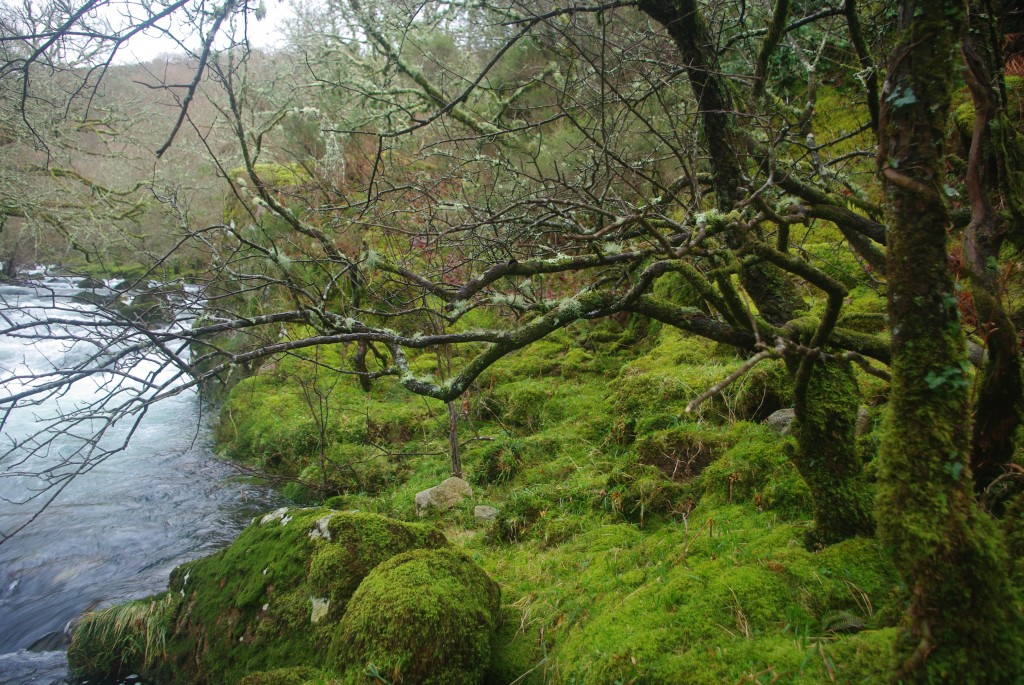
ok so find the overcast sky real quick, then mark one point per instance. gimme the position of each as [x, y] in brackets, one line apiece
[267, 33]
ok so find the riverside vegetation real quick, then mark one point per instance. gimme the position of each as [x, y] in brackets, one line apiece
[631, 545]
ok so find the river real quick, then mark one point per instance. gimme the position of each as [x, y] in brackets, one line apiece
[117, 531]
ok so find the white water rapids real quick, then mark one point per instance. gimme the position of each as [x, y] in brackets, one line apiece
[117, 530]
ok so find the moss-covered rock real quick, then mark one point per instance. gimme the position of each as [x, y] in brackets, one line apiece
[426, 616]
[271, 600]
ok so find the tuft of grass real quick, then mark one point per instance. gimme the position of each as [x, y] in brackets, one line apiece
[126, 638]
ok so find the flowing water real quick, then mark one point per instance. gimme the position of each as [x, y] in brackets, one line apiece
[117, 531]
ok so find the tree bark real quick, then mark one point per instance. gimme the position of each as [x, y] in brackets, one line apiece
[827, 457]
[997, 414]
[962, 625]
[453, 439]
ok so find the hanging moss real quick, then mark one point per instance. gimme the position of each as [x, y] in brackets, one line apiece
[427, 617]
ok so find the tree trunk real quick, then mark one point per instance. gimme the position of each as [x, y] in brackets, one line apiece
[997, 414]
[827, 457]
[962, 625]
[453, 439]
[773, 292]
[360, 365]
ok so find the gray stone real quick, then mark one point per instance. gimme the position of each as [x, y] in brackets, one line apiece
[863, 421]
[321, 606]
[443, 496]
[484, 512]
[781, 421]
[976, 354]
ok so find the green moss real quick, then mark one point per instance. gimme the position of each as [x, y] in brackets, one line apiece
[518, 653]
[298, 675]
[1013, 524]
[271, 600]
[682, 367]
[723, 620]
[864, 311]
[498, 461]
[639, 491]
[827, 455]
[758, 470]
[682, 451]
[358, 542]
[426, 616]
[520, 511]
[838, 261]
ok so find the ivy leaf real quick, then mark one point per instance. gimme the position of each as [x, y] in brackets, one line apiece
[954, 469]
[934, 380]
[902, 98]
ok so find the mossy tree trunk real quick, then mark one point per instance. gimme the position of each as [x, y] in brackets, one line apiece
[827, 457]
[962, 626]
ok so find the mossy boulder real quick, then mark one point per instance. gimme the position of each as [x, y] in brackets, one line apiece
[271, 600]
[428, 616]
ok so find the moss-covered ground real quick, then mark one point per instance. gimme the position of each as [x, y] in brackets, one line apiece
[635, 542]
